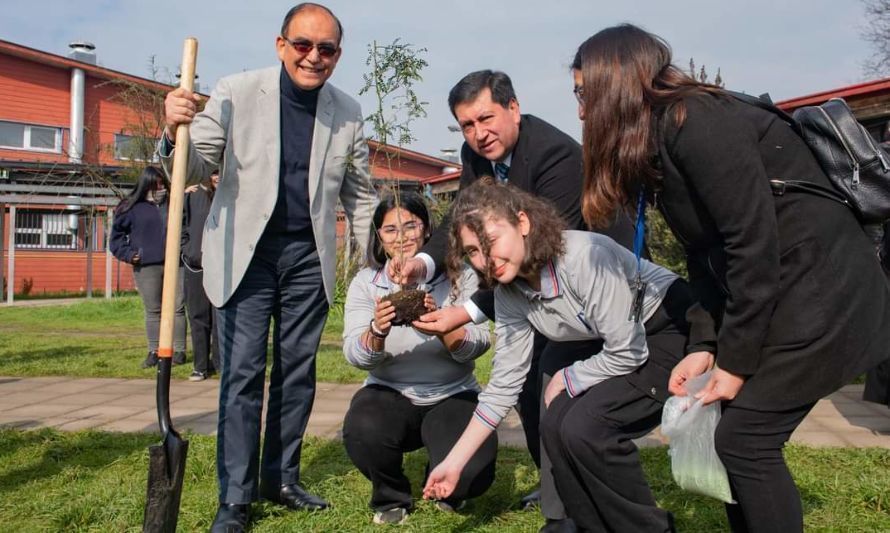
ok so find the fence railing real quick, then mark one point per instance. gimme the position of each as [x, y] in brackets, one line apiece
[63, 246]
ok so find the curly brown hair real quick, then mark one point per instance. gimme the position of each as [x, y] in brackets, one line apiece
[486, 199]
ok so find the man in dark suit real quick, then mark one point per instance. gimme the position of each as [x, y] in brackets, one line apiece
[536, 157]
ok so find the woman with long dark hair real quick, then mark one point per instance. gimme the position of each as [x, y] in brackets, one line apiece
[138, 237]
[795, 294]
[420, 390]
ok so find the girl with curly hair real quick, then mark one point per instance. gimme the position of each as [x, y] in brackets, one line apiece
[579, 287]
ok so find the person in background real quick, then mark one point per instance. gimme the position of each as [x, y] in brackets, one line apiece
[420, 391]
[138, 237]
[201, 314]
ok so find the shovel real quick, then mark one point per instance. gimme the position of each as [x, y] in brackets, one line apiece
[166, 462]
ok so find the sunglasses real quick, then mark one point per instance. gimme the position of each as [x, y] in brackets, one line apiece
[303, 47]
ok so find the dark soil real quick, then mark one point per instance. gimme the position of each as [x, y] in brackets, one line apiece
[409, 305]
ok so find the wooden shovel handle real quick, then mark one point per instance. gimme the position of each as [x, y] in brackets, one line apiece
[174, 208]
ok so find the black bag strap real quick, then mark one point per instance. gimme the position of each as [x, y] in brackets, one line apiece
[765, 102]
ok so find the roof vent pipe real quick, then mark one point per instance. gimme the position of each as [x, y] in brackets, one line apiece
[80, 51]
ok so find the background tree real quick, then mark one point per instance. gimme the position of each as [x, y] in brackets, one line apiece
[393, 70]
[876, 32]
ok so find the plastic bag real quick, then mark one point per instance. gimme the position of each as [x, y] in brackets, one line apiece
[690, 425]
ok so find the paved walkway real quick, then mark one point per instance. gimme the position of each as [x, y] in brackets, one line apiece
[46, 302]
[128, 405]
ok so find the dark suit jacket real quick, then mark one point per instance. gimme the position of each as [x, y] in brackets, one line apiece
[546, 162]
[196, 206]
[799, 301]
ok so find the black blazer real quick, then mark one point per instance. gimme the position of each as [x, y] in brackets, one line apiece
[797, 297]
[196, 206]
[546, 162]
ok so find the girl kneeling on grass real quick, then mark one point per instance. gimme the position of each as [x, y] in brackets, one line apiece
[571, 286]
[420, 390]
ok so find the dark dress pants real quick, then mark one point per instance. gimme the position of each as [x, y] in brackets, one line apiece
[202, 320]
[381, 425]
[750, 445]
[588, 439]
[529, 403]
[283, 282]
[554, 357]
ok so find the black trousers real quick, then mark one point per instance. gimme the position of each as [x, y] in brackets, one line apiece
[750, 445]
[529, 403]
[381, 425]
[202, 319]
[554, 357]
[595, 464]
[283, 282]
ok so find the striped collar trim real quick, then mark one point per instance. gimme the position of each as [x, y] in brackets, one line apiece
[550, 287]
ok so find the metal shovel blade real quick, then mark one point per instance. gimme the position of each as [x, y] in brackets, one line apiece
[166, 466]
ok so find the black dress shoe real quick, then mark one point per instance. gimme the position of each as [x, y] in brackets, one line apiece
[294, 497]
[532, 499]
[231, 518]
[566, 525]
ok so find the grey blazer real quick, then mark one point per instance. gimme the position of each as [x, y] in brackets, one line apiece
[238, 131]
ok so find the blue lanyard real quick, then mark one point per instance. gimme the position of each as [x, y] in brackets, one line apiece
[640, 231]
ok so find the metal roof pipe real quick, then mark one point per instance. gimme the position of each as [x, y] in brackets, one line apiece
[81, 51]
[75, 133]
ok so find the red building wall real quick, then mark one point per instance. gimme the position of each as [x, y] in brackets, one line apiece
[60, 271]
[56, 272]
[35, 94]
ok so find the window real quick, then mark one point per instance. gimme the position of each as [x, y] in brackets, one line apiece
[135, 148]
[30, 137]
[42, 229]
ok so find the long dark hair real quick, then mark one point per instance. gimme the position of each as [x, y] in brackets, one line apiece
[485, 199]
[409, 201]
[628, 80]
[147, 182]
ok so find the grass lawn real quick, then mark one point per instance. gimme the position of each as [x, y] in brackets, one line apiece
[106, 338]
[90, 481]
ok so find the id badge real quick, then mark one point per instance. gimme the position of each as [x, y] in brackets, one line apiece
[638, 288]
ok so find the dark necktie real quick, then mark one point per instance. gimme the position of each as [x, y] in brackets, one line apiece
[500, 172]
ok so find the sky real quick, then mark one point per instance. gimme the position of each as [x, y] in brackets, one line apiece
[788, 48]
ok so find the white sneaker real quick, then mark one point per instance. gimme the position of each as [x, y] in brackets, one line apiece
[391, 516]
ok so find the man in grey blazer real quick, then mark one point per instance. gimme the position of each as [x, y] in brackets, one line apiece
[288, 146]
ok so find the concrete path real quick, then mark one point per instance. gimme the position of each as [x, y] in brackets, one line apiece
[128, 405]
[46, 302]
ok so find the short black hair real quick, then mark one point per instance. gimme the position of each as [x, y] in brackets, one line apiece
[309, 5]
[409, 201]
[469, 87]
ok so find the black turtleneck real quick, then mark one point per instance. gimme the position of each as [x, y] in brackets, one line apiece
[298, 106]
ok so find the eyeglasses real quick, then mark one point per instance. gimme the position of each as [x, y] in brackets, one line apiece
[303, 47]
[389, 234]
[579, 93]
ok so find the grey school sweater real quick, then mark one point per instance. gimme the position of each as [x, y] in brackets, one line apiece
[584, 294]
[417, 365]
